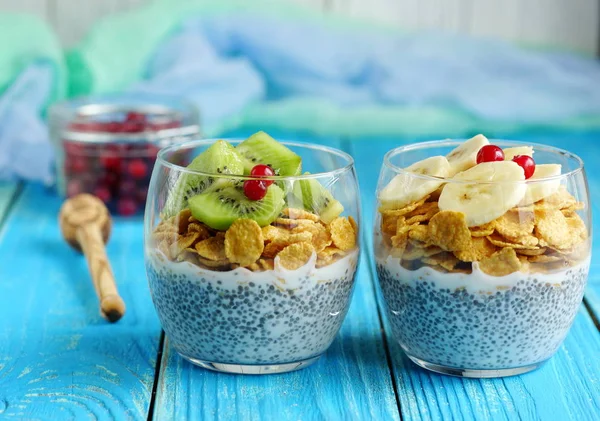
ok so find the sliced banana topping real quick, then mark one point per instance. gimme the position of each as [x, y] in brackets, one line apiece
[464, 156]
[538, 191]
[406, 188]
[510, 153]
[495, 190]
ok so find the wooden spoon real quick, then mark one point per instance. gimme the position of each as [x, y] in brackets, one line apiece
[85, 224]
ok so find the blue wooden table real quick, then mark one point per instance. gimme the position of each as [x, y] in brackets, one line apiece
[59, 360]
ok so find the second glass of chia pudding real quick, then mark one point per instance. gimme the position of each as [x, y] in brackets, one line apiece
[483, 251]
[251, 251]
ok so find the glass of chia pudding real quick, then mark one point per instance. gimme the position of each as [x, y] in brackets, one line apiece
[251, 251]
[482, 250]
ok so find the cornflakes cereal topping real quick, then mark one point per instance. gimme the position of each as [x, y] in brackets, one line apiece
[246, 244]
[532, 236]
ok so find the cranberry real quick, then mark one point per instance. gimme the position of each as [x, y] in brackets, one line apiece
[74, 187]
[127, 188]
[134, 116]
[109, 180]
[110, 161]
[490, 153]
[142, 193]
[527, 163]
[126, 207]
[262, 170]
[77, 164]
[255, 189]
[137, 168]
[113, 127]
[133, 127]
[103, 194]
[74, 148]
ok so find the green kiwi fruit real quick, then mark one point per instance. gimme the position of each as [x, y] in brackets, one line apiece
[219, 158]
[220, 207]
[313, 197]
[260, 148]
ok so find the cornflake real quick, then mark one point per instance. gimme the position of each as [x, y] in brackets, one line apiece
[342, 233]
[295, 255]
[294, 213]
[553, 228]
[480, 249]
[212, 248]
[483, 230]
[514, 225]
[446, 260]
[182, 243]
[449, 230]
[501, 263]
[244, 242]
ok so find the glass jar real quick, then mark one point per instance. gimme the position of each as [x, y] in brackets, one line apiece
[107, 145]
[482, 274]
[257, 296]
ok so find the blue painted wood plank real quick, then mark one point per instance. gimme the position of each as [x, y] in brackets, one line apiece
[566, 388]
[351, 382]
[7, 192]
[58, 358]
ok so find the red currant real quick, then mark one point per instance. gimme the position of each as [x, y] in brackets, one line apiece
[527, 163]
[255, 189]
[262, 170]
[137, 169]
[490, 153]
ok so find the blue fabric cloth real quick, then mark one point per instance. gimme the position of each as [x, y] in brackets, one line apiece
[25, 150]
[228, 64]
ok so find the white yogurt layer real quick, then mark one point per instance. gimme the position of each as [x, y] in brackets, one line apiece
[474, 282]
[305, 276]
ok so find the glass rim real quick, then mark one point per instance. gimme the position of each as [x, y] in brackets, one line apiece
[160, 159]
[455, 142]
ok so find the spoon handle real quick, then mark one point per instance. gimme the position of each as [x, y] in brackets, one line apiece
[112, 306]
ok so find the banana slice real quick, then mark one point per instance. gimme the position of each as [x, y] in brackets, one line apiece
[510, 153]
[464, 156]
[496, 188]
[539, 190]
[406, 188]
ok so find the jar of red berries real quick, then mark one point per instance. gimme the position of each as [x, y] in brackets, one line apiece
[107, 145]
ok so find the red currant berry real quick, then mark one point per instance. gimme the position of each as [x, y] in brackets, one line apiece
[262, 170]
[137, 168]
[527, 163]
[255, 189]
[490, 153]
[127, 207]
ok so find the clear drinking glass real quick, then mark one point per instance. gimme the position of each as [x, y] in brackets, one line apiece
[488, 300]
[275, 314]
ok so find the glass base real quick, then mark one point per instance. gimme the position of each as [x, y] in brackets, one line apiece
[252, 368]
[474, 374]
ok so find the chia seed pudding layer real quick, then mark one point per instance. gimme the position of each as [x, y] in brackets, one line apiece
[244, 317]
[477, 321]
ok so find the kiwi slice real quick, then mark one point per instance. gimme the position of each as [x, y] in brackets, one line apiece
[315, 198]
[260, 148]
[220, 158]
[218, 208]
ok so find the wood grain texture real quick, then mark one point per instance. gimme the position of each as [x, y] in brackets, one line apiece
[566, 388]
[350, 382]
[59, 359]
